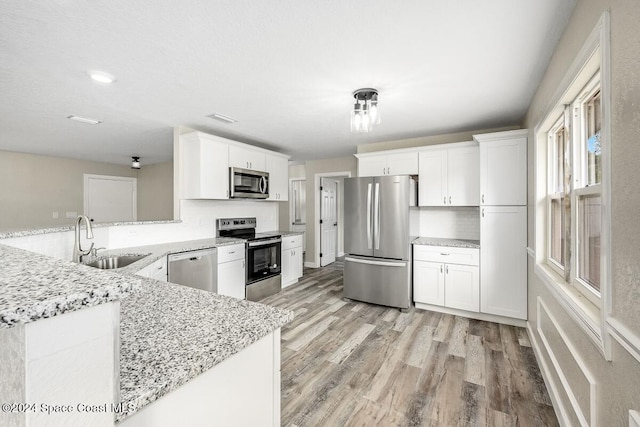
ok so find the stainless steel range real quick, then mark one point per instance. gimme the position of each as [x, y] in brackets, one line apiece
[263, 256]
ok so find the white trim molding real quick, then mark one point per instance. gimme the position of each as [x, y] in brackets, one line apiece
[552, 386]
[586, 419]
[625, 337]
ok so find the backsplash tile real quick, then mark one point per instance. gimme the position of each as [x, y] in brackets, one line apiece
[450, 223]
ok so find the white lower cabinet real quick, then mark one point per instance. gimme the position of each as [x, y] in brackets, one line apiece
[447, 277]
[231, 271]
[292, 259]
[156, 270]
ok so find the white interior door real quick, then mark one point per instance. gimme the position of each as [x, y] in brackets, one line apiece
[328, 220]
[110, 198]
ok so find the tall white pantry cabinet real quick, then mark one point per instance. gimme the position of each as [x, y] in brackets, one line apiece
[503, 223]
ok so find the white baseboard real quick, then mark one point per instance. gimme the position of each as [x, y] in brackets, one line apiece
[311, 264]
[478, 316]
[341, 254]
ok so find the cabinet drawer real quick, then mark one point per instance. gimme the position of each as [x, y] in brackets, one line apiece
[230, 253]
[446, 254]
[292, 242]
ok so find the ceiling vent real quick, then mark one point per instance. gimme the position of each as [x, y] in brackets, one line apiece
[222, 118]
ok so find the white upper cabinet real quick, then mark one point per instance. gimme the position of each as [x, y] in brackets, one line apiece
[278, 168]
[204, 166]
[432, 186]
[449, 177]
[247, 158]
[372, 166]
[385, 163]
[402, 163]
[463, 172]
[204, 162]
[503, 168]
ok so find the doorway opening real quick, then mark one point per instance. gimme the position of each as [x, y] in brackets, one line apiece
[329, 213]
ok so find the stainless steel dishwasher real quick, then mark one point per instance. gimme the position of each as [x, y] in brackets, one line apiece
[197, 269]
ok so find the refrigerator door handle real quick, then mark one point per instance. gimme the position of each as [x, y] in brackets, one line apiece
[376, 217]
[381, 263]
[369, 216]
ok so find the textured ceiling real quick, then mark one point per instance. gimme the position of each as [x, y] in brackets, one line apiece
[284, 69]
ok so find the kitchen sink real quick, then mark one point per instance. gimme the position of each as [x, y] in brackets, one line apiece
[115, 261]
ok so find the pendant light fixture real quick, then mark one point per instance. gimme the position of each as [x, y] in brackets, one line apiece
[365, 112]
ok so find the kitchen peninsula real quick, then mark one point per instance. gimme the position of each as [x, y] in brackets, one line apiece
[104, 348]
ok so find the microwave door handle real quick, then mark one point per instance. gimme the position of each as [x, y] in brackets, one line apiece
[263, 184]
[369, 216]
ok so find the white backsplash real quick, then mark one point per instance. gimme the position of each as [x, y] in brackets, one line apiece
[198, 222]
[450, 223]
[203, 213]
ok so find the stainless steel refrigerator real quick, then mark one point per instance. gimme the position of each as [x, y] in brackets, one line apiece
[377, 267]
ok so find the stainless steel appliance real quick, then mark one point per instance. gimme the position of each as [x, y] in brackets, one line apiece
[248, 184]
[263, 256]
[377, 267]
[196, 269]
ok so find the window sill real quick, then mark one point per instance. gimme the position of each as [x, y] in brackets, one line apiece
[584, 312]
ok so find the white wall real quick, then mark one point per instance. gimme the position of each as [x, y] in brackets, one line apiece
[203, 213]
[580, 378]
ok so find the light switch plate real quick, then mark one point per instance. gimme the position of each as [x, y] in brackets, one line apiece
[55, 215]
[72, 215]
[634, 418]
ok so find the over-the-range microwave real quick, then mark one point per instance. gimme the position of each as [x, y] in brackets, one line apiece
[248, 184]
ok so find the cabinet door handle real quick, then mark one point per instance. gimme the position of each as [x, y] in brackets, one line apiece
[483, 198]
[444, 200]
[482, 213]
[441, 268]
[444, 254]
[449, 199]
[447, 269]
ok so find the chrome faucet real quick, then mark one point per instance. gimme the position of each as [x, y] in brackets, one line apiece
[78, 253]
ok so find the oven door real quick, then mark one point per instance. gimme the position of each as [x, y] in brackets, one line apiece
[263, 259]
[248, 184]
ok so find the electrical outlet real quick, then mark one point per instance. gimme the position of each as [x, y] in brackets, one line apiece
[72, 214]
[55, 215]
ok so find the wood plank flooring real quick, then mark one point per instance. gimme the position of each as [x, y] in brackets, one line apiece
[356, 364]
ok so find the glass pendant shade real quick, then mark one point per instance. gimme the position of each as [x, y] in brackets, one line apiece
[365, 112]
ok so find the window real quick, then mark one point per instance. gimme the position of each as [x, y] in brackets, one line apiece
[574, 192]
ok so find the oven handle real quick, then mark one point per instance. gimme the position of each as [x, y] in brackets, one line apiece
[264, 242]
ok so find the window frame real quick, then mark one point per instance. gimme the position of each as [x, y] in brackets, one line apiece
[575, 121]
[594, 320]
[552, 179]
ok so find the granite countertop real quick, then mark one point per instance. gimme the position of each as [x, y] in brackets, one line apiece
[70, 227]
[286, 233]
[456, 243]
[34, 286]
[170, 333]
[161, 250]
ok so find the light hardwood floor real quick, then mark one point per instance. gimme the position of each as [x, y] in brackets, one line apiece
[356, 364]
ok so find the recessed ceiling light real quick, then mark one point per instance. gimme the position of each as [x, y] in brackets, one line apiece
[84, 119]
[101, 77]
[222, 118]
